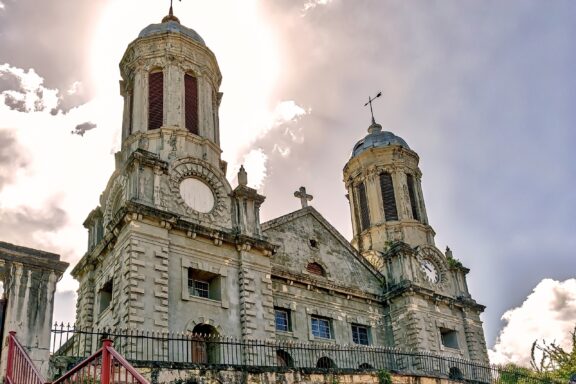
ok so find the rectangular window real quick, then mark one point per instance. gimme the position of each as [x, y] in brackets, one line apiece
[200, 288]
[203, 284]
[360, 334]
[449, 338]
[282, 318]
[363, 202]
[106, 295]
[388, 198]
[191, 103]
[155, 100]
[321, 327]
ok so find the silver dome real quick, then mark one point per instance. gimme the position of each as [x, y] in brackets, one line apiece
[171, 26]
[377, 138]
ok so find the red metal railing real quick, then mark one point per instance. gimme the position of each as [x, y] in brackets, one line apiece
[20, 369]
[106, 366]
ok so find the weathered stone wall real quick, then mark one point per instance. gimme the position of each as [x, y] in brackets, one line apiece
[207, 376]
[349, 293]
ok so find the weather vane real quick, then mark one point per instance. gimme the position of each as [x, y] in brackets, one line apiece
[370, 100]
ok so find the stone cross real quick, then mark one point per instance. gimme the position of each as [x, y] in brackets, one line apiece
[303, 196]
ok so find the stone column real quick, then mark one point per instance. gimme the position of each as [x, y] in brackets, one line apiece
[30, 278]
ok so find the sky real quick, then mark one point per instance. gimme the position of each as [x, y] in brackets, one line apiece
[484, 92]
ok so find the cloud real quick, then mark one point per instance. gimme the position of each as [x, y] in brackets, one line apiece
[28, 226]
[255, 164]
[82, 128]
[548, 313]
[11, 158]
[24, 91]
[311, 4]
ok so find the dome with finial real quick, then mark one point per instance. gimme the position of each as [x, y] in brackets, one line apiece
[376, 138]
[171, 24]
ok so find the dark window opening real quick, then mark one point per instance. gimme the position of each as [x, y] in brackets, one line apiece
[412, 194]
[326, 362]
[315, 269]
[455, 374]
[282, 319]
[363, 202]
[191, 103]
[321, 327]
[313, 243]
[283, 359]
[449, 338]
[106, 295]
[365, 366]
[388, 198]
[155, 100]
[360, 335]
[203, 284]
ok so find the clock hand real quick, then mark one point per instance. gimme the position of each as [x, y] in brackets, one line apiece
[428, 268]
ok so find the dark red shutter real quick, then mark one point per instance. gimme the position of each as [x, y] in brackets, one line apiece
[315, 268]
[155, 100]
[387, 190]
[363, 202]
[412, 193]
[191, 103]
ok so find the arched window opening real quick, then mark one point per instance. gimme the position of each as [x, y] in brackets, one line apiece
[412, 194]
[283, 359]
[191, 103]
[363, 205]
[155, 100]
[205, 344]
[315, 269]
[326, 362]
[388, 198]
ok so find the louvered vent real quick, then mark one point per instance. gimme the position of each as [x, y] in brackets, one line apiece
[155, 100]
[315, 269]
[130, 113]
[387, 189]
[412, 194]
[363, 202]
[191, 103]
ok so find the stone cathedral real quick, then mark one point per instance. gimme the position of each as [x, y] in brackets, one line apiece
[174, 247]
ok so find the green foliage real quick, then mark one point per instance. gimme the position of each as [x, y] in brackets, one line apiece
[384, 377]
[454, 263]
[553, 361]
[550, 364]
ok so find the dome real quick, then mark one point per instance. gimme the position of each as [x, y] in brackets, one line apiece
[171, 25]
[376, 138]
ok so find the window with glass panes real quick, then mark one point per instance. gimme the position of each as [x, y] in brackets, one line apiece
[282, 319]
[321, 327]
[360, 334]
[199, 288]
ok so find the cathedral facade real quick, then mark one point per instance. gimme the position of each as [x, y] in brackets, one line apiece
[173, 247]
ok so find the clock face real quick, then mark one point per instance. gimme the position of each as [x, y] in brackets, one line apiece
[430, 271]
[197, 195]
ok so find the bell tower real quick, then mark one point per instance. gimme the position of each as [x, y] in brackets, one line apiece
[428, 307]
[384, 190]
[172, 246]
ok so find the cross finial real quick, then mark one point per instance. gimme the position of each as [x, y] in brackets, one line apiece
[303, 196]
[370, 100]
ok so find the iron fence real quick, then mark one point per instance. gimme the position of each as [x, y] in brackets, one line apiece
[182, 350]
